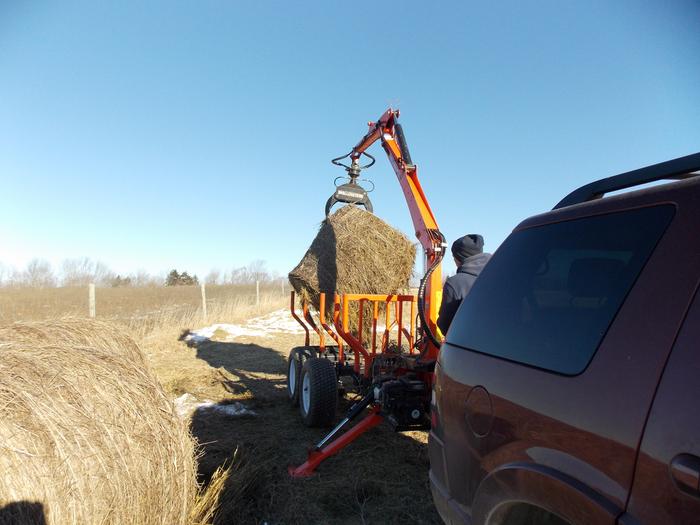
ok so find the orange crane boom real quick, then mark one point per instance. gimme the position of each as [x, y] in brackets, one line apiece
[392, 138]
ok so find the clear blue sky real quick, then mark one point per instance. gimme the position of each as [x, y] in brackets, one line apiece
[198, 134]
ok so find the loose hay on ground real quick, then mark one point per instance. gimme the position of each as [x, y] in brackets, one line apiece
[86, 430]
[354, 252]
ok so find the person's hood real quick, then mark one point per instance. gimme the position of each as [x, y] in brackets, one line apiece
[474, 264]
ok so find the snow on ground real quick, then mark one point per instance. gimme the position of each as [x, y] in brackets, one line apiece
[187, 404]
[280, 321]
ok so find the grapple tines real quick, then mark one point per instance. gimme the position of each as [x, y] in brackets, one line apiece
[351, 192]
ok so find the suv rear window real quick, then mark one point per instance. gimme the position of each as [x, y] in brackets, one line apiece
[549, 294]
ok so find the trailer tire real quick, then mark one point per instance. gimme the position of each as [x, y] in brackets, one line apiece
[318, 393]
[295, 361]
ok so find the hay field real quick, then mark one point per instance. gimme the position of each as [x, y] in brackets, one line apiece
[382, 478]
[126, 304]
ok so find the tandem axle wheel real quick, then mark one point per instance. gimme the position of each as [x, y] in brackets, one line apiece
[312, 384]
[318, 393]
[295, 361]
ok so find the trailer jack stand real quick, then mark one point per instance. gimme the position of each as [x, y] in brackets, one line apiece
[322, 451]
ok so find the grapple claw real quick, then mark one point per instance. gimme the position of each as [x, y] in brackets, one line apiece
[350, 193]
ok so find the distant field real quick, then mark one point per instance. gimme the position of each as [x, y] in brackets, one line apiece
[128, 304]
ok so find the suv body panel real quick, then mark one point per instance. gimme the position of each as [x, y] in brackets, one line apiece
[672, 433]
[567, 444]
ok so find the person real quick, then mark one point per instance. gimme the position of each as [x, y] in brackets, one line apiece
[469, 256]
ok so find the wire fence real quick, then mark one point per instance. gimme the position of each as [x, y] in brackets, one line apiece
[130, 303]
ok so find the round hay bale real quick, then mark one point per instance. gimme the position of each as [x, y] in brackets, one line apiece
[354, 252]
[87, 434]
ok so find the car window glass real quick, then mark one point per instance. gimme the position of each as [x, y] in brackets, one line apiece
[549, 294]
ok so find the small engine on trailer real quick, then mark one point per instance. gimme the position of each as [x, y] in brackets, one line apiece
[404, 403]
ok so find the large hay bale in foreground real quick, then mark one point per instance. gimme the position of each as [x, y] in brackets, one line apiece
[86, 431]
[354, 252]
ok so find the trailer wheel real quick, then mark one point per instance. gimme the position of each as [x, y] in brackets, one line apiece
[318, 393]
[296, 359]
[293, 374]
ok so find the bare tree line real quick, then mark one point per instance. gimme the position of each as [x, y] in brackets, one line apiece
[79, 272]
[249, 274]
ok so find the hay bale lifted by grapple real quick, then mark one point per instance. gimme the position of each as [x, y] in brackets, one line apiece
[354, 252]
[87, 434]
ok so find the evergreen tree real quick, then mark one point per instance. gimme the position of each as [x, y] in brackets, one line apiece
[181, 279]
[173, 278]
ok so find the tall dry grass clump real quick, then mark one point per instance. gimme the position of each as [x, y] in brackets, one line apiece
[86, 430]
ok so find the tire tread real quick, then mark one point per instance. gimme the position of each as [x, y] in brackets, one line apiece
[323, 384]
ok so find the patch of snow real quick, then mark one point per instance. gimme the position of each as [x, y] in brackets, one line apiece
[277, 322]
[232, 330]
[235, 409]
[187, 404]
[280, 321]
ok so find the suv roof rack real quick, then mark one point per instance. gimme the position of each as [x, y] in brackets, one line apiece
[676, 169]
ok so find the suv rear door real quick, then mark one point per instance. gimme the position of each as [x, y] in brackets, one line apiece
[666, 487]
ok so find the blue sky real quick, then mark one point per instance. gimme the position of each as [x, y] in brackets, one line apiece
[198, 134]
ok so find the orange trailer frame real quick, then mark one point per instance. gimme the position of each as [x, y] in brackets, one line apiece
[363, 356]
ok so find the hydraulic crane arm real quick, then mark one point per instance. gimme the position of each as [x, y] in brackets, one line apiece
[393, 141]
[392, 138]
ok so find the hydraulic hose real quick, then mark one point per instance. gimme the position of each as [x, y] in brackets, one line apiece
[354, 411]
[421, 293]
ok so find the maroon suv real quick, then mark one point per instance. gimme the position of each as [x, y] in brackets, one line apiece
[567, 389]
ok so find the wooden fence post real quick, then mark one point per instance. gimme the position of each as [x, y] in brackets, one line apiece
[257, 293]
[91, 300]
[204, 302]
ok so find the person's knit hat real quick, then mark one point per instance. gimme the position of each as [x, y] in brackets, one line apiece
[467, 246]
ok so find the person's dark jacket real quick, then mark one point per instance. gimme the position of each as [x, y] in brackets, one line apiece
[457, 287]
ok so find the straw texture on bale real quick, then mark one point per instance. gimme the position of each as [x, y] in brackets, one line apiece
[87, 434]
[354, 252]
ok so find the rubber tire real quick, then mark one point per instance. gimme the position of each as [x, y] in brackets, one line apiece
[322, 392]
[297, 356]
[294, 360]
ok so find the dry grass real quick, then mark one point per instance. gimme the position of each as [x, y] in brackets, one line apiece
[233, 310]
[175, 364]
[77, 381]
[123, 304]
[381, 478]
[87, 432]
